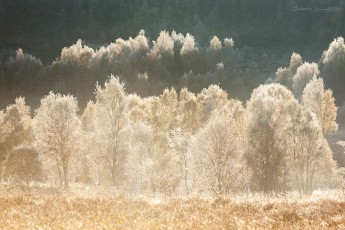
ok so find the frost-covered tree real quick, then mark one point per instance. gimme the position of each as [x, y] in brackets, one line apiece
[164, 117]
[214, 52]
[284, 75]
[15, 128]
[75, 55]
[188, 45]
[128, 53]
[190, 54]
[322, 103]
[215, 44]
[332, 67]
[21, 74]
[139, 109]
[93, 144]
[229, 42]
[139, 160]
[87, 119]
[22, 164]
[111, 124]
[233, 109]
[164, 44]
[217, 160]
[310, 158]
[211, 99]
[57, 131]
[180, 143]
[164, 111]
[188, 111]
[268, 115]
[164, 175]
[75, 60]
[303, 75]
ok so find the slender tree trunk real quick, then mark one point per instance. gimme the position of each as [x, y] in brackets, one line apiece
[266, 177]
[65, 176]
[59, 171]
[311, 183]
[307, 180]
[27, 181]
[99, 174]
[185, 176]
[113, 167]
[60, 176]
[113, 174]
[113, 182]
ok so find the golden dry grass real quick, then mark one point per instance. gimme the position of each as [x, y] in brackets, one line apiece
[44, 209]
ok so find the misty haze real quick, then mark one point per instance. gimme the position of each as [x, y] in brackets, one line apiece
[172, 114]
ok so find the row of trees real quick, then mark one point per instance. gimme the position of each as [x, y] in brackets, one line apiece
[176, 143]
[330, 67]
[147, 67]
[172, 60]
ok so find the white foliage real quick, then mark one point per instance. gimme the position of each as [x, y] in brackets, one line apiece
[188, 45]
[322, 103]
[268, 118]
[304, 74]
[229, 42]
[180, 144]
[112, 126]
[284, 75]
[306, 147]
[216, 160]
[336, 50]
[76, 54]
[215, 44]
[164, 44]
[211, 99]
[57, 132]
[139, 159]
[177, 37]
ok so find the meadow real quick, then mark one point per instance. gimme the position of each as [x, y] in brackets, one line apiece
[90, 208]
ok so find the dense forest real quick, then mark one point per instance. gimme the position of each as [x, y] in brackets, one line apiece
[173, 97]
[42, 27]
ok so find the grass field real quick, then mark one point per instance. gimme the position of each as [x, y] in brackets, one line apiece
[78, 209]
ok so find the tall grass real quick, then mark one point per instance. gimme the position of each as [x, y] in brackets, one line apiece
[96, 208]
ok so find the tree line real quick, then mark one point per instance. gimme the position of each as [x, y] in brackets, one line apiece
[178, 142]
[149, 66]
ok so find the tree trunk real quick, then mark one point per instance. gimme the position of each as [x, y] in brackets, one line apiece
[113, 176]
[59, 170]
[27, 181]
[185, 177]
[65, 177]
[98, 174]
[60, 176]
[113, 167]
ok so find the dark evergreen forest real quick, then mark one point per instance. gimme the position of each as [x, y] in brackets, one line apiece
[43, 27]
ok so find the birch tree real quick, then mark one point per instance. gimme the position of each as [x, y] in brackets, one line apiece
[57, 132]
[111, 122]
[322, 103]
[217, 159]
[15, 128]
[268, 115]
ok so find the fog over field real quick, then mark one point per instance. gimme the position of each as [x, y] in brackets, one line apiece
[218, 107]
